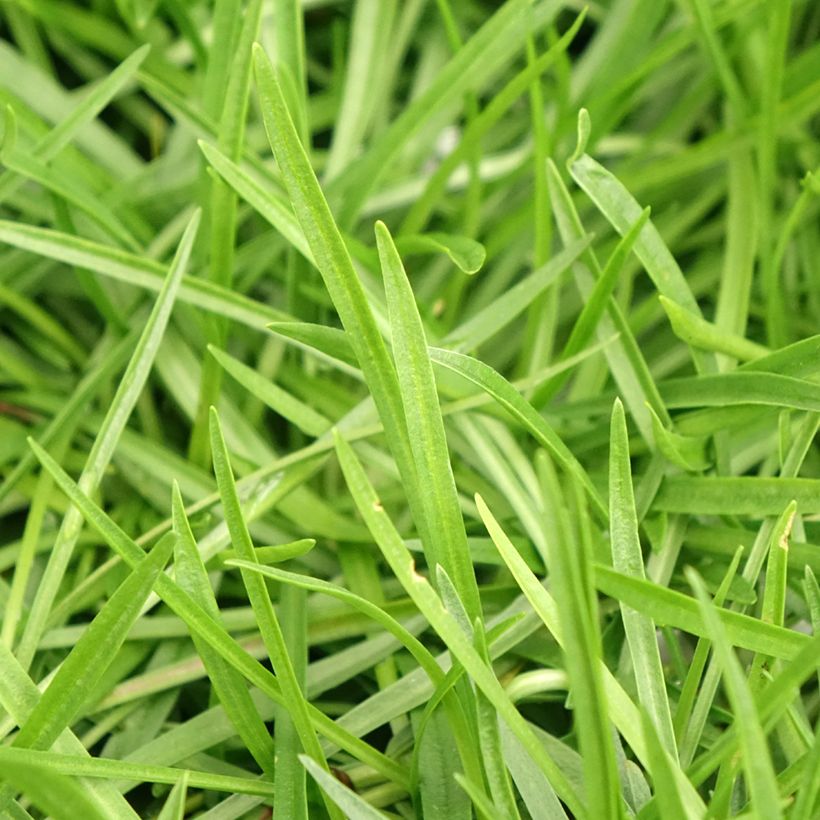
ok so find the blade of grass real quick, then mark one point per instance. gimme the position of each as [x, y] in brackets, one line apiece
[669, 607]
[105, 443]
[627, 559]
[494, 317]
[430, 605]
[138, 271]
[228, 684]
[697, 332]
[84, 112]
[202, 624]
[222, 213]
[280, 401]
[340, 279]
[494, 44]
[425, 427]
[577, 614]
[174, 807]
[294, 698]
[59, 796]
[92, 654]
[743, 495]
[411, 643]
[594, 307]
[19, 696]
[344, 799]
[511, 400]
[757, 764]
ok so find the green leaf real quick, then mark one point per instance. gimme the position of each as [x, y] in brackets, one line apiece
[59, 796]
[338, 274]
[202, 624]
[496, 42]
[757, 763]
[494, 317]
[595, 305]
[514, 403]
[347, 801]
[428, 443]
[465, 253]
[123, 402]
[228, 684]
[92, 654]
[271, 207]
[431, 607]
[744, 495]
[411, 643]
[301, 415]
[331, 342]
[266, 617]
[697, 332]
[107, 769]
[138, 271]
[627, 559]
[687, 452]
[577, 616]
[174, 807]
[81, 114]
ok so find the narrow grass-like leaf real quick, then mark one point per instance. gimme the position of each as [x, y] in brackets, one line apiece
[488, 321]
[687, 452]
[663, 768]
[484, 807]
[541, 803]
[276, 554]
[86, 388]
[260, 600]
[430, 605]
[623, 711]
[622, 211]
[465, 253]
[629, 368]
[489, 733]
[742, 388]
[569, 563]
[757, 763]
[92, 654]
[286, 405]
[329, 341]
[668, 607]
[744, 495]
[139, 271]
[19, 696]
[122, 404]
[511, 400]
[688, 693]
[348, 802]
[339, 276]
[425, 427]
[594, 307]
[105, 768]
[202, 624]
[495, 43]
[411, 643]
[627, 559]
[697, 332]
[267, 204]
[228, 684]
[84, 112]
[174, 807]
[59, 796]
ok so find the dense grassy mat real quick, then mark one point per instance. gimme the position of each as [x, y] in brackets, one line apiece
[407, 409]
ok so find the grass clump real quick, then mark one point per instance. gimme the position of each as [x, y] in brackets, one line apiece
[408, 409]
